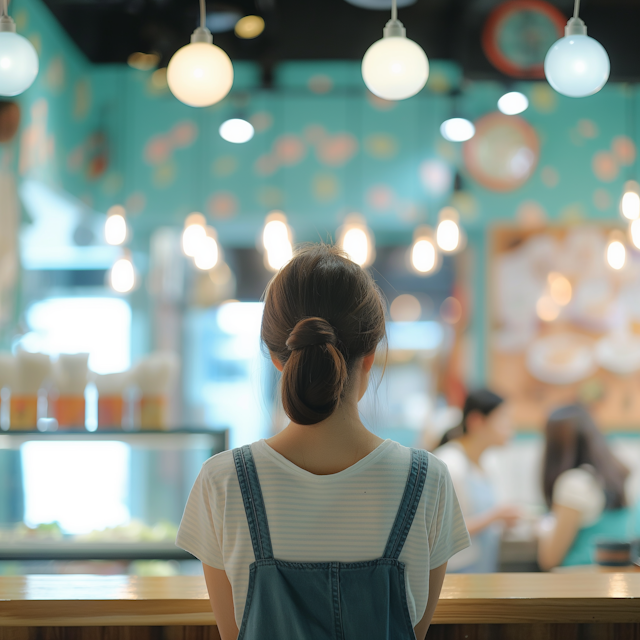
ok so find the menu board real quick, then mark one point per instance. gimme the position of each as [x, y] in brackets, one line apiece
[564, 326]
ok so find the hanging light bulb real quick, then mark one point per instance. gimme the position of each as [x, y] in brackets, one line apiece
[207, 251]
[276, 239]
[395, 68]
[616, 251]
[18, 58]
[512, 103]
[449, 235]
[457, 129]
[115, 226]
[194, 232]
[630, 201]
[634, 232]
[236, 130]
[122, 276]
[200, 74]
[356, 240]
[576, 65]
[425, 258]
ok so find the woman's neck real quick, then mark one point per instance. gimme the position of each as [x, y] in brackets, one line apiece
[330, 446]
[473, 448]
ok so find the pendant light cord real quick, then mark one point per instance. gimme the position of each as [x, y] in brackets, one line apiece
[203, 14]
[394, 9]
[576, 8]
[5, 8]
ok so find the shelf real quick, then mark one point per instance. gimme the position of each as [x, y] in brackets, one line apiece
[167, 440]
[70, 550]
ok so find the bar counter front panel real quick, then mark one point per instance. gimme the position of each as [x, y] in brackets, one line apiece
[472, 607]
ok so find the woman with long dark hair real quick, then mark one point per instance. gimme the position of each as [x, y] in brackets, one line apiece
[584, 486]
[485, 423]
[324, 530]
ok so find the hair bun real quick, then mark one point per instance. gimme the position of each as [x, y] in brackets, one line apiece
[309, 332]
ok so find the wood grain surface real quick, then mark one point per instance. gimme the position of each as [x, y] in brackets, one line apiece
[123, 601]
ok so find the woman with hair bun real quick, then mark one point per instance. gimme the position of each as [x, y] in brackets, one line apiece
[324, 530]
[486, 423]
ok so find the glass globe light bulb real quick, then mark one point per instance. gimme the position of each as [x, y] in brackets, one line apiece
[236, 130]
[123, 275]
[577, 65]
[395, 68]
[200, 74]
[18, 62]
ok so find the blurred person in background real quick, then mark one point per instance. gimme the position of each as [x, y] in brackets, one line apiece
[486, 422]
[585, 487]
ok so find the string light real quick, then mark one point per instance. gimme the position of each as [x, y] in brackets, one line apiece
[236, 130]
[512, 103]
[634, 232]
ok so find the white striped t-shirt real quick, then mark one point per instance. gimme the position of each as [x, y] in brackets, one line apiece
[342, 517]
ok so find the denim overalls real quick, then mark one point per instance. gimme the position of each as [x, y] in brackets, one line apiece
[326, 600]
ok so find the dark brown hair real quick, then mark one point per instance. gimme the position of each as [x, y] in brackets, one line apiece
[322, 313]
[573, 440]
[482, 401]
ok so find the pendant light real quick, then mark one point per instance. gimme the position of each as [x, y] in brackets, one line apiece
[115, 227]
[512, 103]
[200, 74]
[207, 251]
[237, 130]
[277, 241]
[193, 233]
[449, 234]
[122, 276]
[616, 252]
[456, 128]
[395, 68]
[576, 65]
[424, 254]
[18, 58]
[356, 240]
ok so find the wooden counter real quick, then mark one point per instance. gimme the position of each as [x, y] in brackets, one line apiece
[467, 602]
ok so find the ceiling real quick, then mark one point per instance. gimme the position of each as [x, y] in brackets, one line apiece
[107, 31]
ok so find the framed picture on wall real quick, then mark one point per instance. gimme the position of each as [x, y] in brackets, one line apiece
[564, 325]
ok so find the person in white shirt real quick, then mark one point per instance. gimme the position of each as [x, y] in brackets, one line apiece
[485, 423]
[586, 488]
[334, 495]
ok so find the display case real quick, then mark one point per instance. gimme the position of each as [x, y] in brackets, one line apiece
[112, 496]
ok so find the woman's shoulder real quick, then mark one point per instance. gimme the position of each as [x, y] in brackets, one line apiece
[578, 488]
[219, 468]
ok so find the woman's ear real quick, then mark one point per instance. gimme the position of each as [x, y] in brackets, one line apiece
[276, 363]
[367, 362]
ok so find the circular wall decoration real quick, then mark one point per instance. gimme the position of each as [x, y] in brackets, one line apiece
[518, 34]
[503, 153]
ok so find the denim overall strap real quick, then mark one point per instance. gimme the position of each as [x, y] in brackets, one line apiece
[253, 503]
[408, 504]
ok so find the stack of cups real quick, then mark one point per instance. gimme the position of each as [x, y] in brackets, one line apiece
[7, 372]
[154, 376]
[111, 388]
[30, 371]
[71, 372]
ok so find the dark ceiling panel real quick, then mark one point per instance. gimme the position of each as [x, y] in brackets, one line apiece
[107, 31]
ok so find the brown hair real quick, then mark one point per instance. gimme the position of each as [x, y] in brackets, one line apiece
[322, 313]
[573, 440]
